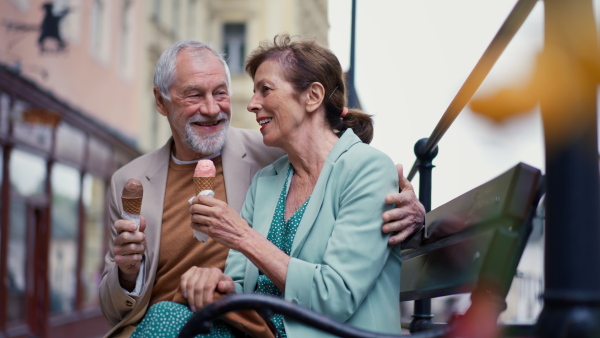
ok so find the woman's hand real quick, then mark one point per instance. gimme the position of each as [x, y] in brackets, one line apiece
[216, 219]
[198, 286]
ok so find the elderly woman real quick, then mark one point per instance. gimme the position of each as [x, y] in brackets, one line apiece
[310, 228]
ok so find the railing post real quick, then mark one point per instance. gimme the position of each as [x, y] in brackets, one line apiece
[570, 72]
[422, 310]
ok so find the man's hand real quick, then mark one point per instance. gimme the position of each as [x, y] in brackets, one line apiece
[129, 250]
[409, 214]
[198, 286]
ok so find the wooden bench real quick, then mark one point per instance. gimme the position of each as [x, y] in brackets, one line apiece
[470, 244]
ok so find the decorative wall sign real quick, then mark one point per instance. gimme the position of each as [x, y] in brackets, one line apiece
[49, 29]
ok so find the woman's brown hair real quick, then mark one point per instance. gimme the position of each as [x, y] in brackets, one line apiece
[305, 62]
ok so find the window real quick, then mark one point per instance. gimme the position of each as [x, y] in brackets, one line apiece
[99, 157]
[70, 143]
[4, 108]
[33, 126]
[71, 23]
[27, 178]
[1, 195]
[99, 30]
[126, 39]
[22, 5]
[93, 258]
[156, 10]
[97, 22]
[191, 19]
[63, 239]
[175, 21]
[234, 46]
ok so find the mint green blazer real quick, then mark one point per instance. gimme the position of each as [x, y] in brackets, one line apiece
[340, 264]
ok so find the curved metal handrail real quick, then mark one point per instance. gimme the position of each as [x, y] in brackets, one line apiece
[505, 34]
[266, 306]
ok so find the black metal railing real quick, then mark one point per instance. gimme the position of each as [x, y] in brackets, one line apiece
[565, 85]
[426, 149]
[503, 37]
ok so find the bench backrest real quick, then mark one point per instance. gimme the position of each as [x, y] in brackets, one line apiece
[474, 241]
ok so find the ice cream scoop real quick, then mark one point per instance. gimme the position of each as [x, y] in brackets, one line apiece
[132, 194]
[205, 168]
[204, 175]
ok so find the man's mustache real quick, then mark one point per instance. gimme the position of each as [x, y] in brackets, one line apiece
[205, 119]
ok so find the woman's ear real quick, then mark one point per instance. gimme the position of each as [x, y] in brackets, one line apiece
[315, 95]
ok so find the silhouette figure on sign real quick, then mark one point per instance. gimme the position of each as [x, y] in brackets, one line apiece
[50, 28]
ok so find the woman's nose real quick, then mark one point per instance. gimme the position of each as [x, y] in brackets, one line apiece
[253, 105]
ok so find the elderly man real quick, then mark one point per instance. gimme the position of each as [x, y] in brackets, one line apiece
[142, 267]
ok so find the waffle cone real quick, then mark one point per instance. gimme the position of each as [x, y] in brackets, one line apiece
[132, 205]
[203, 183]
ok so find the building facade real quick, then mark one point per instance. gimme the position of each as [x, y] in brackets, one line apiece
[76, 104]
[68, 102]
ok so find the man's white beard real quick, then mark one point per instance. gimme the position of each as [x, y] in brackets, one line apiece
[206, 144]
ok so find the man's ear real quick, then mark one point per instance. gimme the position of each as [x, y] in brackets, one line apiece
[160, 102]
[315, 95]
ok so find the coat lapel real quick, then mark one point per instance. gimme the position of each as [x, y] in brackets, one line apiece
[267, 194]
[265, 201]
[154, 178]
[237, 170]
[316, 200]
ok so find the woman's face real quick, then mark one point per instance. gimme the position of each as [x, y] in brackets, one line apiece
[279, 110]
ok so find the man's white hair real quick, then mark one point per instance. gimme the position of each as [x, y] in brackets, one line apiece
[164, 73]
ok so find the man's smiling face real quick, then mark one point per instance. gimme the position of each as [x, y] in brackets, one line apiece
[200, 107]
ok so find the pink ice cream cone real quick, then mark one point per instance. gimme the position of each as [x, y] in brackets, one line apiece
[204, 175]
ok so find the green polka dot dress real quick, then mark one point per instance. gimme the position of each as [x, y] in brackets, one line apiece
[281, 234]
[165, 319]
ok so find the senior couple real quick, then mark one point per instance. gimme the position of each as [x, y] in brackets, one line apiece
[306, 217]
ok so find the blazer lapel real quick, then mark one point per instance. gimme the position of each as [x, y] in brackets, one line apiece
[313, 207]
[154, 180]
[267, 194]
[237, 171]
[316, 200]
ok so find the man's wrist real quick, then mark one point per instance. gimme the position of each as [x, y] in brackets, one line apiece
[127, 283]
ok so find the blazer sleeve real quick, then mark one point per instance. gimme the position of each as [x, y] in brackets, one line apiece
[357, 250]
[235, 266]
[113, 299]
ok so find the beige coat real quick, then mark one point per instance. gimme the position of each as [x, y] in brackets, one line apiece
[243, 155]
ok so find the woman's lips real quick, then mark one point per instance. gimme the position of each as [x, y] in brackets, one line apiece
[263, 121]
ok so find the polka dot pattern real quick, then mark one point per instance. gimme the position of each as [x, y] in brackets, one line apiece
[281, 233]
[165, 320]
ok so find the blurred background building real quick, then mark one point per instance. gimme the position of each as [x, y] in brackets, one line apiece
[76, 103]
